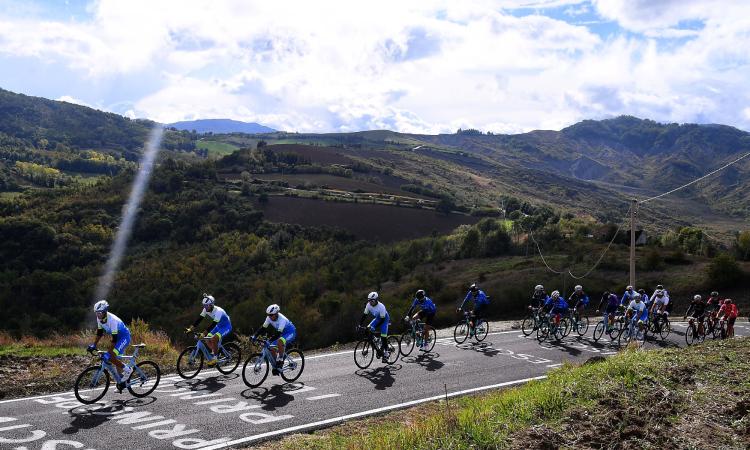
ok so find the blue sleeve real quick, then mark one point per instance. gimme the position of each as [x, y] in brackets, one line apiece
[413, 304]
[466, 299]
[585, 300]
[483, 297]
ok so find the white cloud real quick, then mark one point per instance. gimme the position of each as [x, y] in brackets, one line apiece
[69, 99]
[410, 66]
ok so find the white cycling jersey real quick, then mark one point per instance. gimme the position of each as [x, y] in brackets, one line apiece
[216, 314]
[279, 324]
[112, 325]
[660, 300]
[377, 310]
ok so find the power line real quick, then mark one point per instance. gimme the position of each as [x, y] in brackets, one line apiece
[697, 179]
[531, 234]
[603, 253]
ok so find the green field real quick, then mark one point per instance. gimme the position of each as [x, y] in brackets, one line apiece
[216, 148]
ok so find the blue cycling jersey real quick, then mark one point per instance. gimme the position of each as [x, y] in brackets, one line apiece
[426, 305]
[480, 299]
[575, 298]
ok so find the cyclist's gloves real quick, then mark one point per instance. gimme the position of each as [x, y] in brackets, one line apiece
[91, 348]
[188, 329]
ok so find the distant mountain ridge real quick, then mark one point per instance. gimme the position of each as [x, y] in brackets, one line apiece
[220, 126]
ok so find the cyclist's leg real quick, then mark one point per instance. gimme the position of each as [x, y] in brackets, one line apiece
[282, 343]
[427, 327]
[730, 326]
[117, 349]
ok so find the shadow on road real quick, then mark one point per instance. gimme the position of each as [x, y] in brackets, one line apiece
[87, 417]
[277, 396]
[210, 384]
[427, 360]
[382, 377]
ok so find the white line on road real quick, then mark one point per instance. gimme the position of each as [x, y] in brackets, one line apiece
[554, 365]
[321, 397]
[334, 420]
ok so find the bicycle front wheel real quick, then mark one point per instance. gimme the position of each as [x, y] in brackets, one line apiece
[144, 378]
[542, 331]
[255, 370]
[599, 331]
[294, 364]
[229, 358]
[583, 326]
[91, 385]
[407, 343]
[393, 351]
[481, 330]
[528, 325]
[665, 329]
[431, 338]
[189, 363]
[363, 354]
[461, 332]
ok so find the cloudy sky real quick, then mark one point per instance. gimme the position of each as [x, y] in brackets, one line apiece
[413, 66]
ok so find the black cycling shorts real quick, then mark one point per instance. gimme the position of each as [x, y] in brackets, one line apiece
[479, 311]
[426, 317]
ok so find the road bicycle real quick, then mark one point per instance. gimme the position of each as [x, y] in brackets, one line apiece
[632, 332]
[603, 326]
[255, 369]
[531, 323]
[190, 361]
[557, 329]
[93, 382]
[369, 346]
[464, 330]
[414, 336]
[695, 332]
[659, 324]
[578, 323]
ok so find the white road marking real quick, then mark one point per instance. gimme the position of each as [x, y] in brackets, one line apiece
[554, 365]
[321, 397]
[367, 413]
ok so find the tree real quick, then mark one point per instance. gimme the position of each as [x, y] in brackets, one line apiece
[743, 244]
[723, 271]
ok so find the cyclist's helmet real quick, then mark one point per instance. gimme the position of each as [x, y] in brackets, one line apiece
[714, 294]
[555, 294]
[273, 309]
[372, 297]
[641, 291]
[697, 297]
[420, 294]
[101, 306]
[208, 300]
[473, 288]
[539, 287]
[660, 287]
[637, 297]
[629, 288]
[659, 293]
[578, 288]
[728, 301]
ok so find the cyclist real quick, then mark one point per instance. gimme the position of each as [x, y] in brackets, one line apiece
[627, 297]
[219, 328]
[282, 333]
[380, 322]
[426, 313]
[610, 302]
[639, 311]
[538, 298]
[579, 300]
[557, 305]
[659, 307]
[481, 302]
[712, 309]
[697, 310]
[730, 312]
[108, 323]
[645, 298]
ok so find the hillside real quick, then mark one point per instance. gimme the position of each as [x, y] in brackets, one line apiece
[220, 126]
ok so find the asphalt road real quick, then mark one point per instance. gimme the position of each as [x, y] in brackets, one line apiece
[218, 411]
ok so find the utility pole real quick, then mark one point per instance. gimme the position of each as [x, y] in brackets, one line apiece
[633, 205]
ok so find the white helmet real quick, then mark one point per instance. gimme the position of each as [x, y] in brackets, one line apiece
[555, 293]
[636, 296]
[578, 287]
[538, 287]
[101, 306]
[659, 293]
[273, 309]
[208, 300]
[629, 288]
[372, 296]
[697, 297]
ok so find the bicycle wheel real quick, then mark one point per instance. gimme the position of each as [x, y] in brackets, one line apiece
[481, 330]
[431, 338]
[189, 364]
[614, 332]
[623, 336]
[393, 350]
[461, 332]
[294, 364]
[542, 331]
[255, 370]
[363, 354]
[407, 343]
[583, 326]
[566, 326]
[665, 329]
[91, 385]
[599, 331]
[528, 325]
[144, 378]
[229, 358]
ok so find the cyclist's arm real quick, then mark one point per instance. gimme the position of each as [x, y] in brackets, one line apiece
[99, 334]
[362, 319]
[466, 299]
[413, 304]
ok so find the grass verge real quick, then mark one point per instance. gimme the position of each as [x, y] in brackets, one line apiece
[697, 397]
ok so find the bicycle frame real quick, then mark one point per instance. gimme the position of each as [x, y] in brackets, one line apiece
[268, 356]
[202, 347]
[127, 360]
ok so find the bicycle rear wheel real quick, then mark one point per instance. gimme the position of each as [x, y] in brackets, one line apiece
[431, 338]
[407, 343]
[599, 331]
[665, 328]
[294, 364]
[144, 378]
[255, 370]
[393, 351]
[481, 330]
[229, 358]
[363, 354]
[189, 363]
[461, 332]
[542, 332]
[91, 385]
